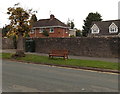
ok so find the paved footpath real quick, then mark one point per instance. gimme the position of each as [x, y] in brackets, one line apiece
[70, 56]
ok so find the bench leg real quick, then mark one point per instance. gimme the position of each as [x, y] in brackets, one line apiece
[65, 57]
[49, 56]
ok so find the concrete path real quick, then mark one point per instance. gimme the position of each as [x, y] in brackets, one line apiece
[70, 56]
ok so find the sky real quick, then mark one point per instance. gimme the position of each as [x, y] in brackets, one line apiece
[75, 10]
[119, 10]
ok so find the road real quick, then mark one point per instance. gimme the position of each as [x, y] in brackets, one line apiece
[23, 77]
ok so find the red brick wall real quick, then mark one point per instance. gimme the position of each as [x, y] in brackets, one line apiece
[58, 32]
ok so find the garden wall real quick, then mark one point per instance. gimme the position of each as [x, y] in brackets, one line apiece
[94, 47]
[7, 43]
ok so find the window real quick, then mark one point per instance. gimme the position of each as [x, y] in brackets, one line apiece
[66, 32]
[95, 29]
[41, 30]
[33, 31]
[113, 28]
[51, 30]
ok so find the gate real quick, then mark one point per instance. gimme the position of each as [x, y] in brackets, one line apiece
[29, 45]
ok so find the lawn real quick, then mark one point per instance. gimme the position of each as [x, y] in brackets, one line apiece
[60, 61]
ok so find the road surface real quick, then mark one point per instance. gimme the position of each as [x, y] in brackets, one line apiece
[23, 77]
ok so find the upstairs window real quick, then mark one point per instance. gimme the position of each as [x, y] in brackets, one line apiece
[95, 29]
[113, 28]
[51, 30]
[66, 32]
[32, 31]
[41, 30]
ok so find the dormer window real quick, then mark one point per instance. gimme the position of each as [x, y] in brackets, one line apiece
[95, 29]
[113, 28]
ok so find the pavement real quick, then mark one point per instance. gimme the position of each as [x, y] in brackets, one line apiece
[70, 56]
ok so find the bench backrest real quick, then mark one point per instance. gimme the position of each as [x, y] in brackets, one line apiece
[59, 52]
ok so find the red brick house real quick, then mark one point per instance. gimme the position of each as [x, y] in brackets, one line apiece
[53, 26]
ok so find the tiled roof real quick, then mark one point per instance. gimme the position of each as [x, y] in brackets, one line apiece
[49, 22]
[104, 25]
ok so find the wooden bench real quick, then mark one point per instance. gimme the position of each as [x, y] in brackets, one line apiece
[59, 53]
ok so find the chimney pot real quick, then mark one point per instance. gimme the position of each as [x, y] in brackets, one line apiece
[52, 16]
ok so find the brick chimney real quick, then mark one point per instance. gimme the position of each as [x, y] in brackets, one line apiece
[52, 16]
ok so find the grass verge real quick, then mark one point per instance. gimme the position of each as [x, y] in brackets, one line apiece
[60, 61]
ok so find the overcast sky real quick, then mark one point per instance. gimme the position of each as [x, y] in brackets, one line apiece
[76, 10]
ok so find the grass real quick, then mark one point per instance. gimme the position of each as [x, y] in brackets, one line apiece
[60, 61]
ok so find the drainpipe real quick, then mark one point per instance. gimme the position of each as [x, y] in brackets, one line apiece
[63, 33]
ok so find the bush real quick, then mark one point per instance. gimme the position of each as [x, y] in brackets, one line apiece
[46, 33]
[72, 36]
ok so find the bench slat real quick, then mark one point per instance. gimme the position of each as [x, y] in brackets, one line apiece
[59, 53]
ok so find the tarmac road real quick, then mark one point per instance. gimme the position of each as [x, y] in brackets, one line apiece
[21, 77]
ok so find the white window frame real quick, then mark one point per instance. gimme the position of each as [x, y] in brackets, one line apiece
[66, 32]
[41, 30]
[32, 31]
[95, 29]
[52, 29]
[113, 28]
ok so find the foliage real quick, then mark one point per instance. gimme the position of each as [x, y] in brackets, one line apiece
[45, 33]
[19, 20]
[88, 22]
[72, 36]
[71, 24]
[15, 41]
[5, 30]
[78, 33]
[33, 19]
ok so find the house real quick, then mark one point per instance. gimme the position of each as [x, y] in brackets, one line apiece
[109, 28]
[53, 26]
[72, 32]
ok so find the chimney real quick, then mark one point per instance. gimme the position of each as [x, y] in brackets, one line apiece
[52, 16]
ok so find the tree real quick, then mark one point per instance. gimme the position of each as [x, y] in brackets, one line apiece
[78, 33]
[88, 21]
[19, 25]
[45, 33]
[33, 19]
[71, 24]
[5, 30]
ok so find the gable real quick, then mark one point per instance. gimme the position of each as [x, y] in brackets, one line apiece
[94, 29]
[113, 28]
[113, 25]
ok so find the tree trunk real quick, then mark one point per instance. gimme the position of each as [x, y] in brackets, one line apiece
[20, 42]
[20, 48]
